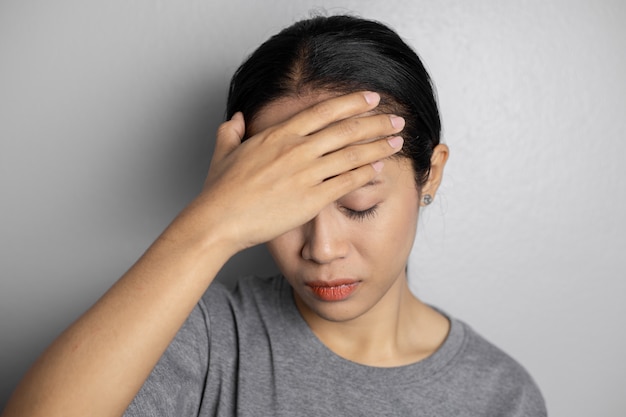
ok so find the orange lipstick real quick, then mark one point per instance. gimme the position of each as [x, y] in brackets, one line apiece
[336, 290]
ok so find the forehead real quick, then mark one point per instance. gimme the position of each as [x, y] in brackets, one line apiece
[283, 108]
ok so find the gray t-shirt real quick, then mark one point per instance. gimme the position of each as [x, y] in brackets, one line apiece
[248, 352]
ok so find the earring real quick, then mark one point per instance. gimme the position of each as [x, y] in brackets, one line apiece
[427, 199]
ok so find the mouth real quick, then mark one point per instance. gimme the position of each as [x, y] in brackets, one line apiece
[335, 290]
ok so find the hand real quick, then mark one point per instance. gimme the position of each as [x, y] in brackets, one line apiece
[256, 190]
[283, 176]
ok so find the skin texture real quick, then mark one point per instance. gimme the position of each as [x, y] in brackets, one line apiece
[276, 184]
[381, 323]
[255, 191]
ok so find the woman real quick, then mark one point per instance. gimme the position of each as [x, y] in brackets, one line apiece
[331, 147]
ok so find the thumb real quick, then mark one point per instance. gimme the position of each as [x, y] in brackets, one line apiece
[229, 136]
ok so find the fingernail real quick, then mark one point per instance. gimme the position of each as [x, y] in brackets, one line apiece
[378, 166]
[372, 98]
[396, 142]
[397, 122]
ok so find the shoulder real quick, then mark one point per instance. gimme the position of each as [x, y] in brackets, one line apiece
[506, 384]
[480, 353]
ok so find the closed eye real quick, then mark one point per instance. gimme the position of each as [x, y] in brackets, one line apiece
[361, 215]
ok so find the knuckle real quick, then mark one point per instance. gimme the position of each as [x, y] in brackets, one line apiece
[222, 129]
[352, 155]
[323, 110]
[348, 127]
[274, 135]
[271, 135]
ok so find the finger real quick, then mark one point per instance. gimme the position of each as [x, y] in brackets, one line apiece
[352, 157]
[229, 136]
[329, 111]
[352, 131]
[343, 184]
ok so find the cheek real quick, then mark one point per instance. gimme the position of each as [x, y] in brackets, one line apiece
[394, 235]
[398, 221]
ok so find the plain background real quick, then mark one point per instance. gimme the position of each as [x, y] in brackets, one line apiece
[107, 114]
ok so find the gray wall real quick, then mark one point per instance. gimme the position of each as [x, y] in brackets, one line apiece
[107, 113]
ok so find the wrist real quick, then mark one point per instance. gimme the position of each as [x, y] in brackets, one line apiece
[202, 228]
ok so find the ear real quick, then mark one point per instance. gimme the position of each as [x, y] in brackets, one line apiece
[437, 163]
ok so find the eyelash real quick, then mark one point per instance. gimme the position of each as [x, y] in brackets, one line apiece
[361, 215]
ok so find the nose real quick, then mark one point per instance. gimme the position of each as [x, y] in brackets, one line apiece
[324, 238]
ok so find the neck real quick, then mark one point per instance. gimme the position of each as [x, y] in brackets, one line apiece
[398, 330]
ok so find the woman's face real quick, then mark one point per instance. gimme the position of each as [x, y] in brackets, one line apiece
[351, 258]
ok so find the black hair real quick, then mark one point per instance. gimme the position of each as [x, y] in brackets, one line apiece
[344, 54]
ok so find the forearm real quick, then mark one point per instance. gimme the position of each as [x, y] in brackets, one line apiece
[99, 363]
[255, 191]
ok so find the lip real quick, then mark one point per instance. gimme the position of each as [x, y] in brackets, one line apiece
[335, 290]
